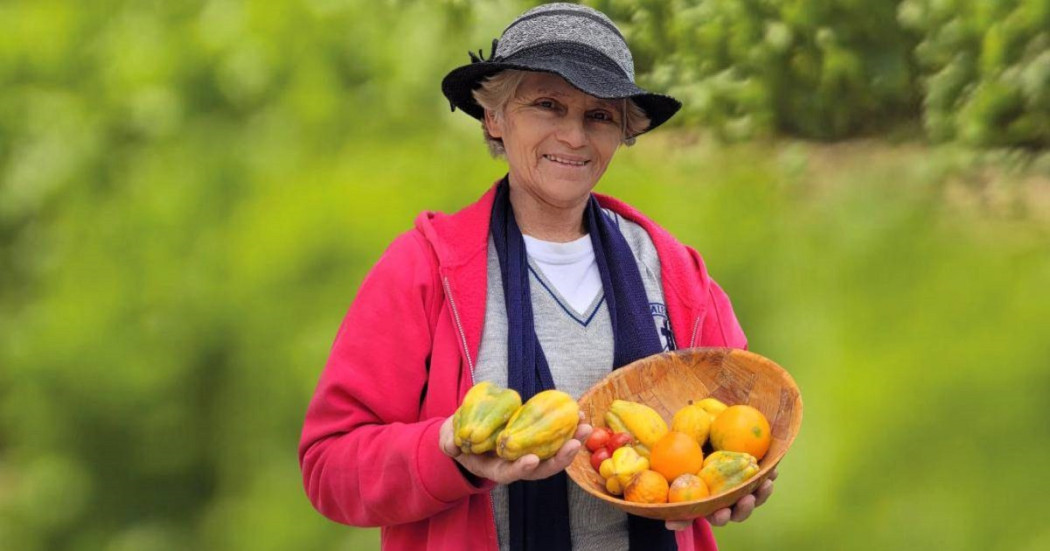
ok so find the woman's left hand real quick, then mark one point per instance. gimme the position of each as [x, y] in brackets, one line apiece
[527, 467]
[738, 512]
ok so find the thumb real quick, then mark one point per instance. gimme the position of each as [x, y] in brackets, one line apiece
[446, 441]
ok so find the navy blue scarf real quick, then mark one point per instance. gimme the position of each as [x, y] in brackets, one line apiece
[539, 510]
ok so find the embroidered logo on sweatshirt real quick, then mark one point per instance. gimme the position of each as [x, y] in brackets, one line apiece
[663, 325]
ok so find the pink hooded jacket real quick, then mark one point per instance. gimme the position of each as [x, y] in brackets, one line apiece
[404, 358]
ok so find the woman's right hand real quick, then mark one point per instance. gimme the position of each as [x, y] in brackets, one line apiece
[528, 467]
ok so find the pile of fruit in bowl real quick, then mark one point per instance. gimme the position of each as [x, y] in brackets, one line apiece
[686, 432]
[646, 461]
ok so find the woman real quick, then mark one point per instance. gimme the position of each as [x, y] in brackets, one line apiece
[539, 284]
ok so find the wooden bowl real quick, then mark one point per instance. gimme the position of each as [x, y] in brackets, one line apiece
[666, 382]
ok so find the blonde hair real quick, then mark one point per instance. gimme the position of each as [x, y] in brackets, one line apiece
[498, 89]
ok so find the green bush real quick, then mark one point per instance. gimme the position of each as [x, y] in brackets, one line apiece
[985, 69]
[815, 68]
[977, 71]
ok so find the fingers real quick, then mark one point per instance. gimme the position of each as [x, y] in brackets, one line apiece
[764, 491]
[498, 470]
[557, 463]
[743, 508]
[528, 467]
[583, 430]
[678, 525]
[567, 452]
[446, 439]
[521, 469]
[720, 517]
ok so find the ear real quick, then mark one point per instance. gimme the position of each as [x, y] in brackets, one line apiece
[493, 124]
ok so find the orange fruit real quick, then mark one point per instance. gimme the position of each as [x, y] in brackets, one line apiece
[687, 487]
[675, 454]
[646, 487]
[741, 429]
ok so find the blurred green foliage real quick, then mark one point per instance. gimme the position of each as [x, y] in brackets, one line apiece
[814, 68]
[190, 193]
[976, 70]
[985, 69]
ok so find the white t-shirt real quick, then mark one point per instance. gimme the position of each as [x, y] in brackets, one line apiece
[570, 267]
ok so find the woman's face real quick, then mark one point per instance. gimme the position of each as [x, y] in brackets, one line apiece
[558, 139]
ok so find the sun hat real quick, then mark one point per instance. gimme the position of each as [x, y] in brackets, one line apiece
[578, 43]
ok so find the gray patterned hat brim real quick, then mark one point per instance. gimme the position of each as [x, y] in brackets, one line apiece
[584, 67]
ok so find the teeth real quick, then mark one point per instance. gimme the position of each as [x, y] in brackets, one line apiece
[564, 161]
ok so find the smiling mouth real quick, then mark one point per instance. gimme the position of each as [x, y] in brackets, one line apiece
[564, 161]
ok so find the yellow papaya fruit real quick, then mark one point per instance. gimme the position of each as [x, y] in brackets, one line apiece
[484, 412]
[724, 470]
[540, 426]
[694, 421]
[640, 420]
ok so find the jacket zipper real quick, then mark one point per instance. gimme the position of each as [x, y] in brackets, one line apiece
[696, 327]
[459, 326]
[470, 364]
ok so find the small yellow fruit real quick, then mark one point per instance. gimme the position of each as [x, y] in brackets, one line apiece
[694, 421]
[712, 406]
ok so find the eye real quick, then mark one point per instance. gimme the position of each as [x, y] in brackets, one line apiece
[546, 103]
[603, 116]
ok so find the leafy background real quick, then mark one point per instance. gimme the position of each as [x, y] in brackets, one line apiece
[190, 193]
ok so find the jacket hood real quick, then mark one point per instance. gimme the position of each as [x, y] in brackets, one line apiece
[457, 238]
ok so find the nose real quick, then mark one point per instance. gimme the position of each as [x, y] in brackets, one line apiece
[571, 131]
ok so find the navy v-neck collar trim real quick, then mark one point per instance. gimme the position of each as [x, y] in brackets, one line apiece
[583, 318]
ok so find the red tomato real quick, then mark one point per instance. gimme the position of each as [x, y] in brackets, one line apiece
[597, 457]
[618, 440]
[599, 436]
